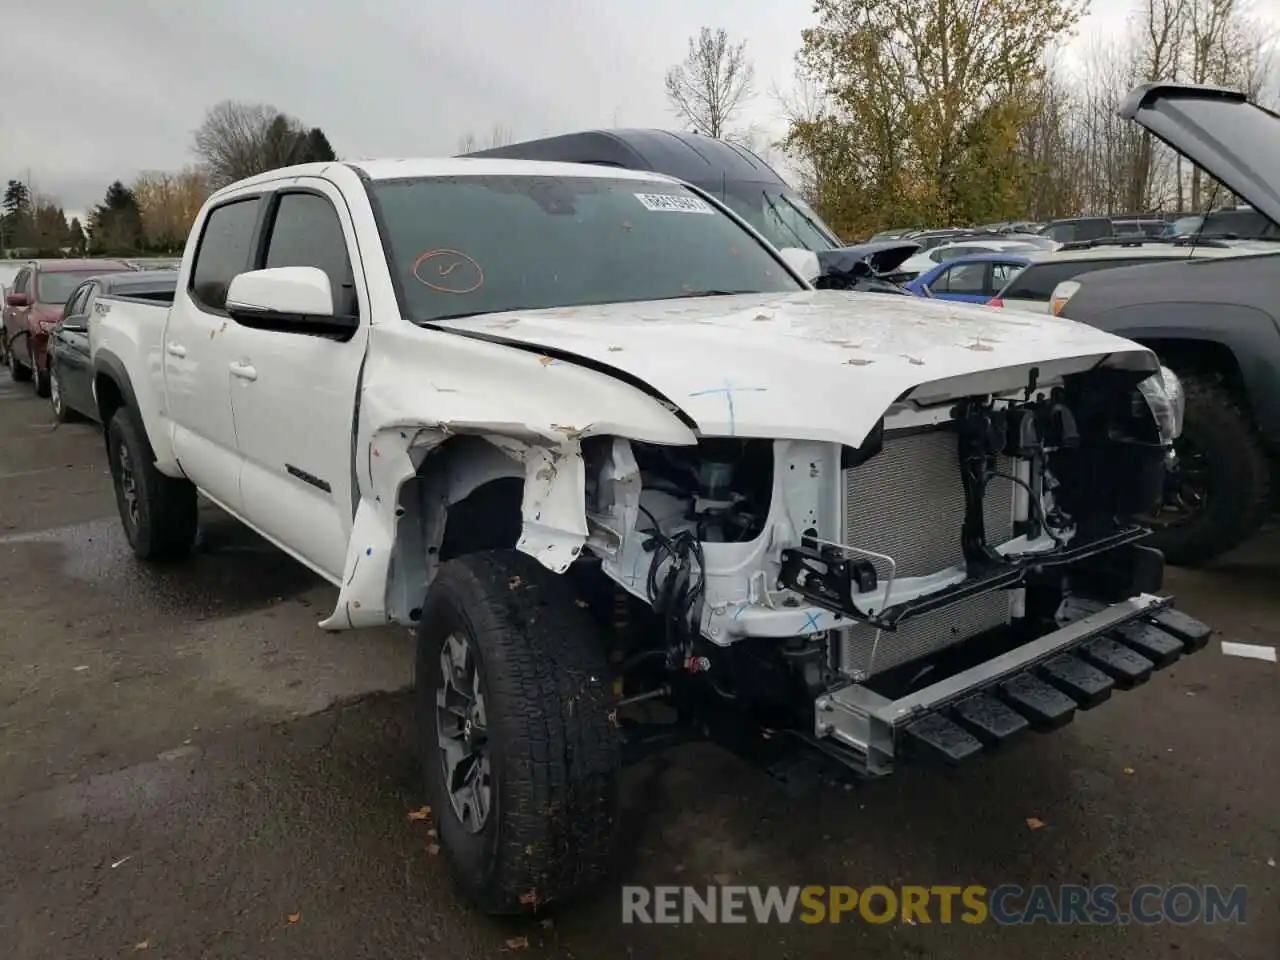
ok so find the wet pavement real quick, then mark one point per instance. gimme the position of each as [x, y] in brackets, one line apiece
[190, 768]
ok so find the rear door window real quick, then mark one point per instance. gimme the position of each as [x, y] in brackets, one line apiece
[226, 249]
[966, 278]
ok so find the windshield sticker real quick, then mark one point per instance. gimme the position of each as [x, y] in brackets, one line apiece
[675, 203]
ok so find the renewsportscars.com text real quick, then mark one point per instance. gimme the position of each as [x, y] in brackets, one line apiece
[1008, 904]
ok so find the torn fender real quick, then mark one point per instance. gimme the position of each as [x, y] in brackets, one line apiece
[554, 530]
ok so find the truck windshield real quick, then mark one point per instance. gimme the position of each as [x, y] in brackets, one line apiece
[783, 218]
[485, 244]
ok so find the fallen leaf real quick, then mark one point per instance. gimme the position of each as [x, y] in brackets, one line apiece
[529, 898]
[433, 849]
[722, 878]
[517, 943]
[615, 349]
[859, 362]
[421, 814]
[1034, 823]
[142, 945]
[1271, 861]
[514, 582]
[1128, 771]
[546, 361]
[294, 917]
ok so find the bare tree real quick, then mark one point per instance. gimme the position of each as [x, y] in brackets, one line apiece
[711, 86]
[499, 136]
[238, 140]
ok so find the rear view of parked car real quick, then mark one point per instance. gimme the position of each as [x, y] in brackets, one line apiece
[33, 305]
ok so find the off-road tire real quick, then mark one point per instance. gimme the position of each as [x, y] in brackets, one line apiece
[165, 525]
[18, 371]
[1239, 499]
[554, 747]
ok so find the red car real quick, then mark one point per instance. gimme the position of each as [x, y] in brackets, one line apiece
[33, 304]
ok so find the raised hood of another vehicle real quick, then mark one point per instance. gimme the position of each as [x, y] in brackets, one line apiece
[1235, 141]
[814, 365]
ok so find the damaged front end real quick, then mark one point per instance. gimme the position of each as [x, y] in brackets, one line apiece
[973, 569]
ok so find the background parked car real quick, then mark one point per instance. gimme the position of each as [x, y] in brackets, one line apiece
[926, 260]
[1032, 288]
[34, 304]
[973, 279]
[1212, 321]
[70, 372]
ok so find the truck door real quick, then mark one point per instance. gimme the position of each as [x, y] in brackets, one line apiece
[294, 410]
[200, 353]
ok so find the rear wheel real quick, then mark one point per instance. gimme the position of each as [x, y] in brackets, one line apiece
[158, 512]
[1220, 492]
[18, 370]
[520, 754]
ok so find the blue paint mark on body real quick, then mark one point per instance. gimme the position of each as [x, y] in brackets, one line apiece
[728, 390]
[810, 621]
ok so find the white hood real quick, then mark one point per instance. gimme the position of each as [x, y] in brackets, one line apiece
[813, 365]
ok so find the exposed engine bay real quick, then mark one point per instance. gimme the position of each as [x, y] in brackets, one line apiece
[769, 574]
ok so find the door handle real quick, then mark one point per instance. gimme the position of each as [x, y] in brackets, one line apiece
[175, 350]
[244, 371]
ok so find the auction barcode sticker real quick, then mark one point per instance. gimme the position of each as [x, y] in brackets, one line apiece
[674, 202]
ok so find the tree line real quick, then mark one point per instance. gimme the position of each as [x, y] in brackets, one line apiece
[153, 213]
[940, 112]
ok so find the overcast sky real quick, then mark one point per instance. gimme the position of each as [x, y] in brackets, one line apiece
[96, 90]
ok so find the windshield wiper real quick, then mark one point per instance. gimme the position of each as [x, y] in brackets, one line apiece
[777, 215]
[455, 316]
[707, 293]
[808, 219]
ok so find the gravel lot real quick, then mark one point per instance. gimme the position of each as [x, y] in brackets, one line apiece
[190, 768]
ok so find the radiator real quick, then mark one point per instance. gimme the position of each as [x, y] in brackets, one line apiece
[908, 502]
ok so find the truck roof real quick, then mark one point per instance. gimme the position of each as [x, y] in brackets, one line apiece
[687, 156]
[412, 167]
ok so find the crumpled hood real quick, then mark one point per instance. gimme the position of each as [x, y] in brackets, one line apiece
[811, 365]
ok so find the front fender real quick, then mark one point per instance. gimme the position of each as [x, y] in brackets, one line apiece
[1248, 333]
[423, 387]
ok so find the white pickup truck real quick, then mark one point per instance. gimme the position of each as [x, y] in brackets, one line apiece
[825, 528]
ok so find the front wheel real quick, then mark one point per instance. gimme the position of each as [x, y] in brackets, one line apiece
[57, 399]
[519, 749]
[159, 513]
[39, 379]
[1220, 492]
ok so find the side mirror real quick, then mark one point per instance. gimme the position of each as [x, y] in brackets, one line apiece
[287, 298]
[803, 262]
[17, 300]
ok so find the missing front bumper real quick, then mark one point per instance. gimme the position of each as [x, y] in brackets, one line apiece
[1037, 686]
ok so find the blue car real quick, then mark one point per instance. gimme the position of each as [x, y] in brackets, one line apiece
[972, 279]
